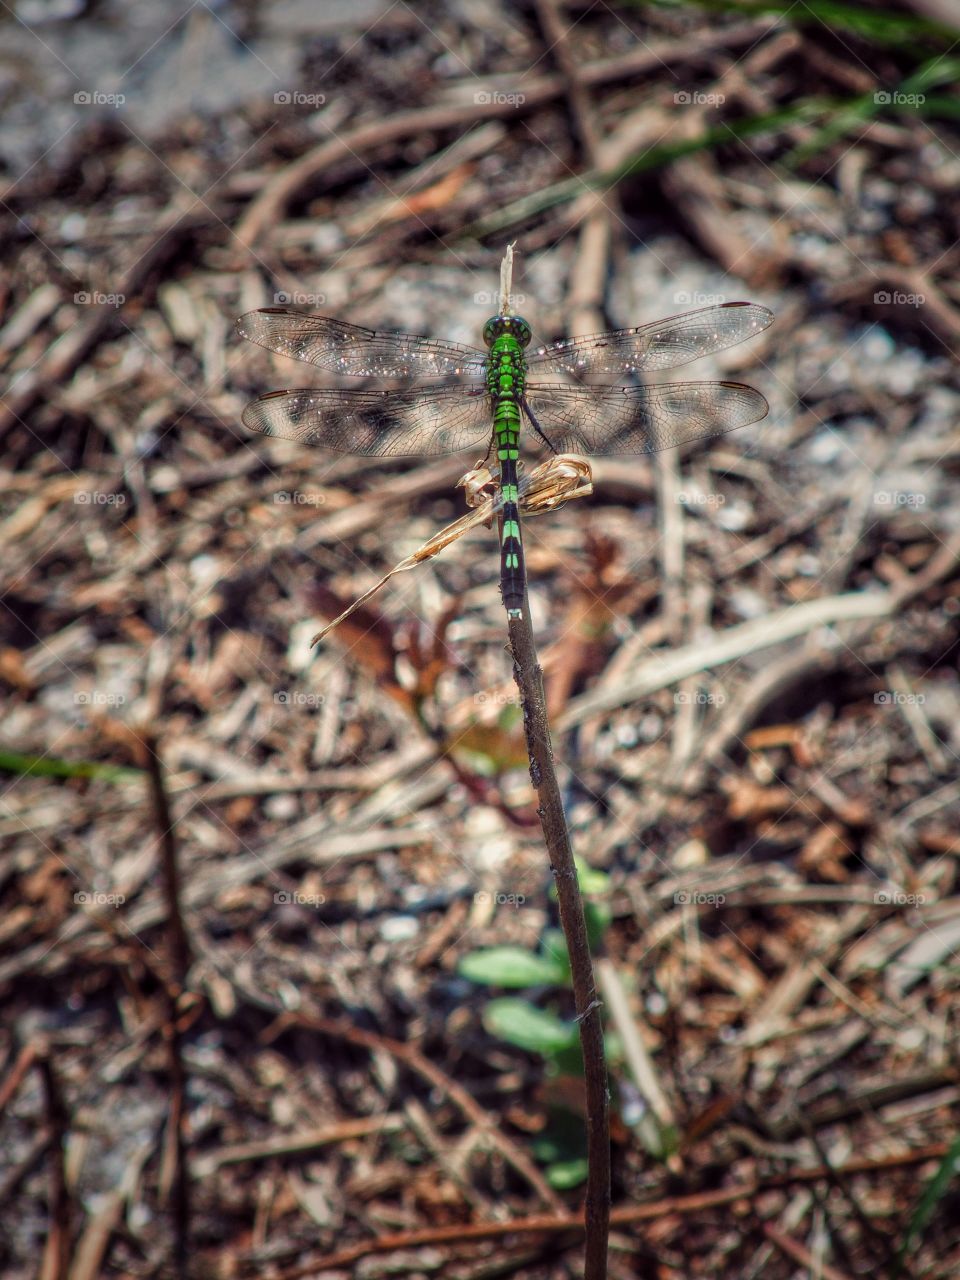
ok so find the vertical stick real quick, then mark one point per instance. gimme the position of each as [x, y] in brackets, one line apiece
[506, 280]
[55, 1263]
[529, 677]
[175, 1174]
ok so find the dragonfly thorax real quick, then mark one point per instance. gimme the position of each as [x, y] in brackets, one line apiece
[512, 326]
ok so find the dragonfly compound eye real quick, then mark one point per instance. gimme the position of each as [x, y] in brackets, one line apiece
[515, 326]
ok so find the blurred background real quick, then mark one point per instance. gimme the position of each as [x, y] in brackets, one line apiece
[278, 952]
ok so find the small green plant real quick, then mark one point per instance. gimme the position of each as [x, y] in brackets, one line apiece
[544, 1031]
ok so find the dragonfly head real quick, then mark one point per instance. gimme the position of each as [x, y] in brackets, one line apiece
[515, 326]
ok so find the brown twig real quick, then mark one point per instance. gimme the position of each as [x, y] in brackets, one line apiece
[179, 957]
[69, 350]
[800, 1253]
[56, 1254]
[557, 34]
[268, 208]
[415, 1060]
[626, 1216]
[176, 1175]
[529, 677]
[864, 609]
[18, 1073]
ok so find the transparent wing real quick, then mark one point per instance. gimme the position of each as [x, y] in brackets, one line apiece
[661, 345]
[641, 419]
[377, 424]
[348, 349]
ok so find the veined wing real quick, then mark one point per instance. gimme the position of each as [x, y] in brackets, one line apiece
[376, 424]
[349, 349]
[661, 345]
[641, 419]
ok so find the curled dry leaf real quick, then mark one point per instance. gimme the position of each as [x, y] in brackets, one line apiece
[550, 484]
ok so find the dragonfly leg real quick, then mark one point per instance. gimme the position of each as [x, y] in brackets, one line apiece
[536, 425]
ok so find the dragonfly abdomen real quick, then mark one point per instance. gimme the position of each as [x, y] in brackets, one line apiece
[512, 576]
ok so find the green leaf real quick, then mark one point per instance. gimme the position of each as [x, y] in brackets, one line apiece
[567, 1174]
[597, 916]
[569, 1061]
[521, 1023]
[554, 947]
[613, 1048]
[563, 1140]
[512, 967]
[592, 881]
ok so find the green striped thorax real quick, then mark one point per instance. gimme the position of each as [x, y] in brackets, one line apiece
[506, 336]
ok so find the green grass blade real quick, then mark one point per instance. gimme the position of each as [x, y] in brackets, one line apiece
[935, 71]
[882, 26]
[50, 767]
[654, 158]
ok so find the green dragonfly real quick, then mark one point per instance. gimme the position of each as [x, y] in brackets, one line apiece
[475, 395]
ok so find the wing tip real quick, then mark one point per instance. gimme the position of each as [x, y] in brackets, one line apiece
[761, 311]
[247, 323]
[253, 415]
